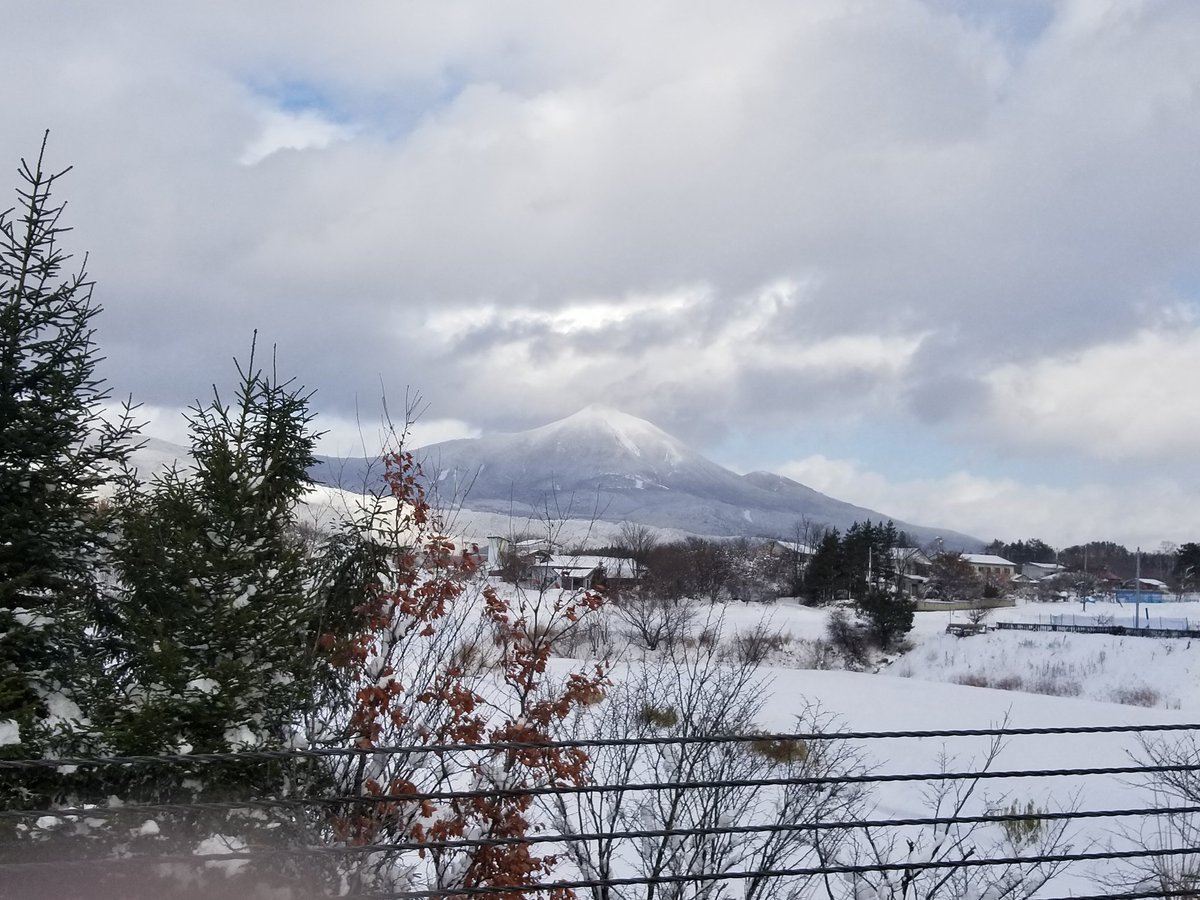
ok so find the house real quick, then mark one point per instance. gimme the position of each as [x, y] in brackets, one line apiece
[583, 572]
[1153, 585]
[784, 549]
[992, 569]
[1036, 571]
[506, 550]
[911, 567]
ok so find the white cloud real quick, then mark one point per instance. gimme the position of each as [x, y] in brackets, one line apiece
[1141, 511]
[166, 423]
[664, 355]
[345, 437]
[341, 436]
[1126, 399]
[303, 130]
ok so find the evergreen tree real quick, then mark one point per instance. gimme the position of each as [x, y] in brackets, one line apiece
[217, 615]
[57, 451]
[889, 616]
[822, 575]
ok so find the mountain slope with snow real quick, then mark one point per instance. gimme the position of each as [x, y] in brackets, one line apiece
[604, 464]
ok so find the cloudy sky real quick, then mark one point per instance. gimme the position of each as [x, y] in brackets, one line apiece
[938, 257]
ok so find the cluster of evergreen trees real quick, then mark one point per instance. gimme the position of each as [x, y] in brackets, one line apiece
[853, 562]
[188, 623]
[176, 616]
[861, 565]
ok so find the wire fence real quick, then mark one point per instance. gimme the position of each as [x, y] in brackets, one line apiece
[751, 816]
[1165, 628]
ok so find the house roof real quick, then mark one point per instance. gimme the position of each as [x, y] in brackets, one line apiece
[577, 566]
[1152, 583]
[802, 549]
[987, 559]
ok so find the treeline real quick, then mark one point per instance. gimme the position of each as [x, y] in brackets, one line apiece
[1166, 563]
[859, 565]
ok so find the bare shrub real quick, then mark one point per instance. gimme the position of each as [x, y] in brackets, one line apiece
[658, 716]
[589, 638]
[974, 679]
[1171, 779]
[551, 634]
[653, 620]
[847, 637]
[697, 829]
[754, 646]
[1028, 847]
[983, 680]
[818, 654]
[1141, 695]
[709, 638]
[1025, 825]
[1055, 686]
[1009, 683]
[473, 655]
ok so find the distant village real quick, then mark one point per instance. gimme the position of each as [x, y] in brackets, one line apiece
[764, 570]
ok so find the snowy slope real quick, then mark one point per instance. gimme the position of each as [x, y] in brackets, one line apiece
[604, 464]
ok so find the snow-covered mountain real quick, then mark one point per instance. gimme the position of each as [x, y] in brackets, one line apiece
[604, 464]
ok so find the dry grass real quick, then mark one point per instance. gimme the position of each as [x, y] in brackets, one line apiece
[1139, 695]
[780, 750]
[658, 716]
[754, 646]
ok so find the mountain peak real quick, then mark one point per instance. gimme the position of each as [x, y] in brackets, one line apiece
[636, 436]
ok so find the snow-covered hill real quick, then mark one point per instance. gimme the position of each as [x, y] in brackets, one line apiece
[603, 464]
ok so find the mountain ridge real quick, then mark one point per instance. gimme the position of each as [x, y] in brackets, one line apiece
[608, 465]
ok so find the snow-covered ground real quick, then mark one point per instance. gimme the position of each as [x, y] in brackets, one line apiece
[916, 691]
[1161, 673]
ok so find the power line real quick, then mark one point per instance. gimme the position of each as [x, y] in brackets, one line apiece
[492, 746]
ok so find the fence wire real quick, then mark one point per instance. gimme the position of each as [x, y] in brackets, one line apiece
[34, 836]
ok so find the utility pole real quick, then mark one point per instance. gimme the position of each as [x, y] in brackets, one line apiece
[1137, 590]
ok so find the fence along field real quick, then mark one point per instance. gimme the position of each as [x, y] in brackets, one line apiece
[683, 819]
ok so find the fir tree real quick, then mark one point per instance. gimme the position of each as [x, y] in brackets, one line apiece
[824, 571]
[57, 451]
[889, 616]
[217, 615]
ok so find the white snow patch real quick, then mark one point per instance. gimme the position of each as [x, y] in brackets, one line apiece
[203, 685]
[10, 733]
[220, 844]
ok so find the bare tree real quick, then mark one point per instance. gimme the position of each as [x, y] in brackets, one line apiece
[978, 612]
[638, 540]
[1176, 783]
[933, 862]
[954, 577]
[653, 620]
[697, 693]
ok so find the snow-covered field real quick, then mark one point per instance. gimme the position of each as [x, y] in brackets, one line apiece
[1067, 680]
[1162, 673]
